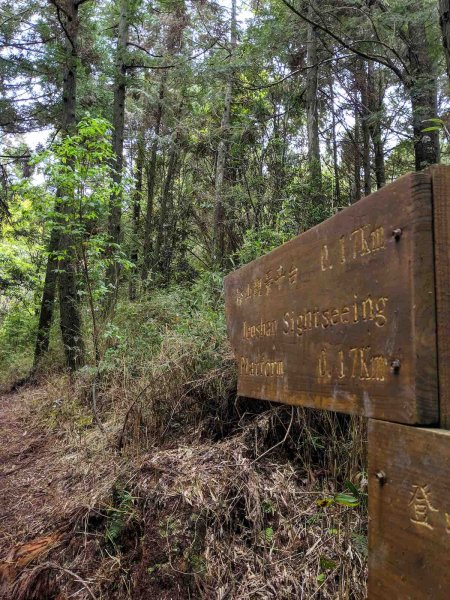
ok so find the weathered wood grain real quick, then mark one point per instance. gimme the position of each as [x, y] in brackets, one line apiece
[343, 316]
[409, 512]
[440, 178]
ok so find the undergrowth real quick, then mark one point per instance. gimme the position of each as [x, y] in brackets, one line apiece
[200, 494]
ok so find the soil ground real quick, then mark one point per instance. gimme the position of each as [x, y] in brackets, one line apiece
[26, 474]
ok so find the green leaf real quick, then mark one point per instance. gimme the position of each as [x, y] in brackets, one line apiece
[352, 488]
[268, 534]
[346, 500]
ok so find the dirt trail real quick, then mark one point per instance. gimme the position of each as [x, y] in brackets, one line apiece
[26, 458]
[49, 482]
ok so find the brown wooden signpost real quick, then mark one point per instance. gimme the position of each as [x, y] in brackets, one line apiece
[354, 316]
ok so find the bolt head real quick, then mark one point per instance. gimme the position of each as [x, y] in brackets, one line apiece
[381, 477]
[395, 365]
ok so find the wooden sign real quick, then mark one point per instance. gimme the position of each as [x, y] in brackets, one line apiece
[343, 316]
[409, 507]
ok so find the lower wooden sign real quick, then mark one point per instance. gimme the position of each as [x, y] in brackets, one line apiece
[409, 512]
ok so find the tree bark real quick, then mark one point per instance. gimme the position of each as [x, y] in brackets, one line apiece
[115, 210]
[48, 300]
[365, 119]
[165, 212]
[63, 271]
[357, 154]
[444, 19]
[423, 93]
[137, 199]
[151, 177]
[337, 184]
[312, 114]
[222, 150]
[70, 316]
[375, 99]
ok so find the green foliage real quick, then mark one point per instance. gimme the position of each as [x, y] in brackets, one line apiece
[258, 242]
[118, 514]
[17, 336]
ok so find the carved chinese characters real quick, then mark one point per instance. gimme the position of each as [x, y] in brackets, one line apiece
[409, 506]
[342, 317]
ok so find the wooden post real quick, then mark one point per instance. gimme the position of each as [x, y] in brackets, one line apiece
[409, 509]
[440, 178]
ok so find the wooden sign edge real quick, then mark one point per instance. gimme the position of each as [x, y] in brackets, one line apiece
[424, 332]
[440, 182]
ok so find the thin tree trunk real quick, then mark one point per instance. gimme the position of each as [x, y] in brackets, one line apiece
[165, 211]
[357, 164]
[151, 177]
[222, 150]
[365, 118]
[423, 94]
[137, 198]
[337, 184]
[375, 99]
[115, 211]
[312, 115]
[444, 19]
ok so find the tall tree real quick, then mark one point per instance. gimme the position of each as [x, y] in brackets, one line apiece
[444, 19]
[222, 149]
[375, 94]
[61, 254]
[151, 183]
[312, 112]
[118, 122]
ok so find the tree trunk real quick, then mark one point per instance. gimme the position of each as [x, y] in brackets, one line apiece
[63, 271]
[365, 119]
[70, 316]
[165, 212]
[444, 19]
[337, 184]
[423, 93]
[312, 115]
[48, 300]
[375, 99]
[222, 150]
[115, 211]
[137, 198]
[357, 164]
[151, 176]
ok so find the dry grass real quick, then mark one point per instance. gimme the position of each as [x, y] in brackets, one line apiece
[157, 482]
[234, 520]
[198, 515]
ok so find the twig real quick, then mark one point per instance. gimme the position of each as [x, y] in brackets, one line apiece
[52, 565]
[279, 443]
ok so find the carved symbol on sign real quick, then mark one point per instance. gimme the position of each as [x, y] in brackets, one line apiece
[420, 506]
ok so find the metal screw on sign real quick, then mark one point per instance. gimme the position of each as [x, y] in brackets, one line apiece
[395, 365]
[397, 234]
[381, 476]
